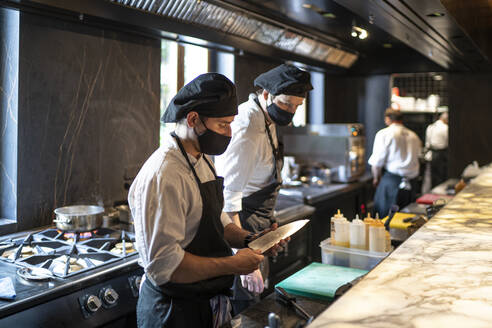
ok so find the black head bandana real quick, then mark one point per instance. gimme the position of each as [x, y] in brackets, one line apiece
[209, 94]
[285, 79]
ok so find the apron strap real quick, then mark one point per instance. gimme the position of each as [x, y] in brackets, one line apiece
[180, 145]
[275, 150]
[210, 166]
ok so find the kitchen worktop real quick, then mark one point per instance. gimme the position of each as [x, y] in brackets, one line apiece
[311, 194]
[440, 277]
[256, 316]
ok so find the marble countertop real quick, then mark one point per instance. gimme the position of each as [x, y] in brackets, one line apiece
[440, 277]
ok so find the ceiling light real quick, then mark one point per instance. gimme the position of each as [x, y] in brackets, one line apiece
[435, 14]
[318, 10]
[438, 77]
[387, 45]
[359, 32]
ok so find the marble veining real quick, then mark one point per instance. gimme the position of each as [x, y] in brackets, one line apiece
[440, 277]
[9, 62]
[88, 114]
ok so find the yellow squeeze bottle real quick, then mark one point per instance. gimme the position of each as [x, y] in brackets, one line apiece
[367, 221]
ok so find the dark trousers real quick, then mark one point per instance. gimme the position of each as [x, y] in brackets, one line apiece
[439, 166]
[157, 310]
[388, 194]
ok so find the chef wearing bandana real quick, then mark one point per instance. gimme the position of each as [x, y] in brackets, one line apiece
[252, 163]
[183, 237]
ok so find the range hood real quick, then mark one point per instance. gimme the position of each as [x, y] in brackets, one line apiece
[230, 19]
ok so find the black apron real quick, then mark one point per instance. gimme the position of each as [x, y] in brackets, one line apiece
[257, 215]
[188, 305]
[257, 208]
[439, 166]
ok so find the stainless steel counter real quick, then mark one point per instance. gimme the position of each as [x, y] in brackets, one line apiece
[313, 194]
[440, 277]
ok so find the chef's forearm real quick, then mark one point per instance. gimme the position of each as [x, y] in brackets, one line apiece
[235, 235]
[376, 172]
[196, 268]
[235, 218]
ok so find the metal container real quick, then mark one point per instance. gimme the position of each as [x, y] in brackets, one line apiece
[340, 147]
[79, 218]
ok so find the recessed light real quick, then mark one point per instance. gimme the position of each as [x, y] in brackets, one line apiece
[435, 14]
[318, 10]
[329, 15]
[438, 77]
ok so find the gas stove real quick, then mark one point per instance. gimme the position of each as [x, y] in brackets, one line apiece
[71, 279]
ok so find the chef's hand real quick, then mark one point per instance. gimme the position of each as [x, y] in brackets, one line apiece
[247, 260]
[253, 282]
[375, 182]
[275, 249]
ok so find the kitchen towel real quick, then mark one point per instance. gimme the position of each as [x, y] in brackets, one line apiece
[319, 280]
[7, 290]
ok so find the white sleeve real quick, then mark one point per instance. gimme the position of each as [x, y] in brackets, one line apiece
[238, 163]
[165, 211]
[428, 135]
[379, 151]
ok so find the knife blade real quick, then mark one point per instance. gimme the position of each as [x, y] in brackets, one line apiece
[271, 238]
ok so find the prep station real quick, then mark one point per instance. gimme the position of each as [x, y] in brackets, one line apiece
[83, 84]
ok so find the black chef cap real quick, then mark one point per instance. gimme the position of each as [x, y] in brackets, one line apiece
[285, 79]
[209, 94]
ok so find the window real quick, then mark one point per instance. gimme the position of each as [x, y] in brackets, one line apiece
[179, 65]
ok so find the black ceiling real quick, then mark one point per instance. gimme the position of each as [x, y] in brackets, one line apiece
[402, 37]
[418, 42]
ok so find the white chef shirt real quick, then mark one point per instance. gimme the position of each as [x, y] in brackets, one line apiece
[167, 206]
[248, 164]
[397, 149]
[436, 135]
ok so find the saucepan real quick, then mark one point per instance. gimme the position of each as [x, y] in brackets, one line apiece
[79, 218]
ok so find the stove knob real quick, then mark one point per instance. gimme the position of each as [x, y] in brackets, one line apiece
[93, 303]
[137, 282]
[110, 296]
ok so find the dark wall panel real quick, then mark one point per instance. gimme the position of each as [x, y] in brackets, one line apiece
[88, 114]
[246, 69]
[360, 99]
[470, 119]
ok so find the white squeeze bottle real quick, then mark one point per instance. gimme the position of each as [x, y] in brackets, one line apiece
[342, 232]
[377, 236]
[357, 233]
[335, 217]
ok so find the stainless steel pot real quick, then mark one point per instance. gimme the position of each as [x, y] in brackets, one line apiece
[79, 218]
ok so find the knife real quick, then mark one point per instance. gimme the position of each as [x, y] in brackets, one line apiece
[282, 296]
[268, 240]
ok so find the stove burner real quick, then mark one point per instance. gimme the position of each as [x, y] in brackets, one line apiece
[37, 274]
[54, 251]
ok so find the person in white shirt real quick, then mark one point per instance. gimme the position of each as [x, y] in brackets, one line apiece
[396, 150]
[183, 238]
[252, 163]
[436, 145]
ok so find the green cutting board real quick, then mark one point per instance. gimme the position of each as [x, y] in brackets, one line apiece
[319, 280]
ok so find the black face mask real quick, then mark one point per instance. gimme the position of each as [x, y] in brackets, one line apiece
[211, 142]
[278, 115]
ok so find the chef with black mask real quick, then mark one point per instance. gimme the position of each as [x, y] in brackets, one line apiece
[252, 163]
[183, 237]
